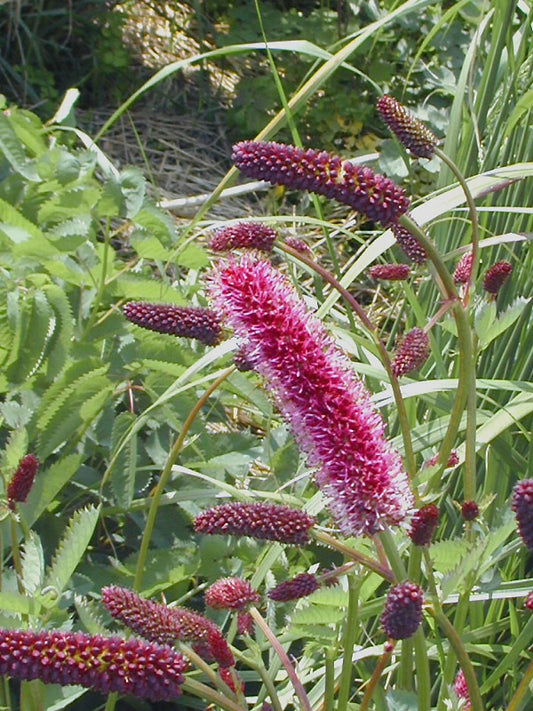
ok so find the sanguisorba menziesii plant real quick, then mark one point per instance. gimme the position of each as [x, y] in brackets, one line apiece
[352, 584]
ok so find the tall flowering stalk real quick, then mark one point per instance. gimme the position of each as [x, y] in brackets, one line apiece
[328, 408]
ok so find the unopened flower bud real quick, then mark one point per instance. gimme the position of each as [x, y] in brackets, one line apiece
[300, 586]
[244, 235]
[412, 352]
[375, 196]
[22, 480]
[160, 623]
[242, 360]
[496, 276]
[453, 460]
[403, 611]
[423, 524]
[410, 131]
[529, 602]
[273, 522]
[297, 244]
[231, 594]
[392, 272]
[409, 245]
[523, 508]
[469, 510]
[188, 321]
[463, 270]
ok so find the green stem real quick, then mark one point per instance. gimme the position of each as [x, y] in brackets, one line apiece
[356, 308]
[202, 691]
[329, 684]
[466, 387]
[473, 215]
[393, 555]
[326, 539]
[282, 654]
[111, 702]
[523, 689]
[165, 474]
[350, 632]
[372, 684]
[464, 660]
[423, 677]
[260, 668]
[101, 285]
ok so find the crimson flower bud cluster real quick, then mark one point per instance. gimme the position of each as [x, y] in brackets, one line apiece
[272, 522]
[409, 245]
[231, 594]
[522, 505]
[496, 276]
[391, 272]
[469, 510]
[410, 131]
[375, 196]
[244, 235]
[412, 352]
[188, 321]
[423, 524]
[106, 664]
[403, 611]
[22, 480]
[300, 586]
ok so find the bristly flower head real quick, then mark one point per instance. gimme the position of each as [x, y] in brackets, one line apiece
[412, 352]
[300, 586]
[244, 235]
[403, 611]
[327, 406]
[463, 270]
[410, 131]
[271, 522]
[160, 623]
[461, 689]
[496, 276]
[22, 480]
[523, 509]
[469, 510]
[392, 272]
[423, 523]
[189, 321]
[529, 602]
[375, 196]
[106, 664]
[231, 594]
[409, 245]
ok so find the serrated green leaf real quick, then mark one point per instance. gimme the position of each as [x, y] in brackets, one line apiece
[504, 321]
[70, 234]
[484, 319]
[15, 449]
[124, 461]
[60, 342]
[9, 215]
[192, 256]
[39, 331]
[13, 150]
[71, 548]
[48, 484]
[89, 615]
[133, 186]
[151, 220]
[314, 615]
[32, 559]
[445, 554]
[15, 602]
[398, 700]
[148, 246]
[69, 203]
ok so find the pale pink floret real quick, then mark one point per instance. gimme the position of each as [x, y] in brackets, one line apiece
[327, 406]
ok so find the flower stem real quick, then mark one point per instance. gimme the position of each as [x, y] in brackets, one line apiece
[282, 654]
[523, 689]
[462, 655]
[356, 308]
[165, 474]
[202, 691]
[326, 539]
[374, 679]
[350, 631]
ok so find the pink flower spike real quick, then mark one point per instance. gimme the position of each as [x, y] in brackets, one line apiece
[231, 594]
[423, 523]
[244, 235]
[461, 689]
[22, 480]
[327, 406]
[375, 196]
[409, 245]
[403, 611]
[300, 586]
[522, 505]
